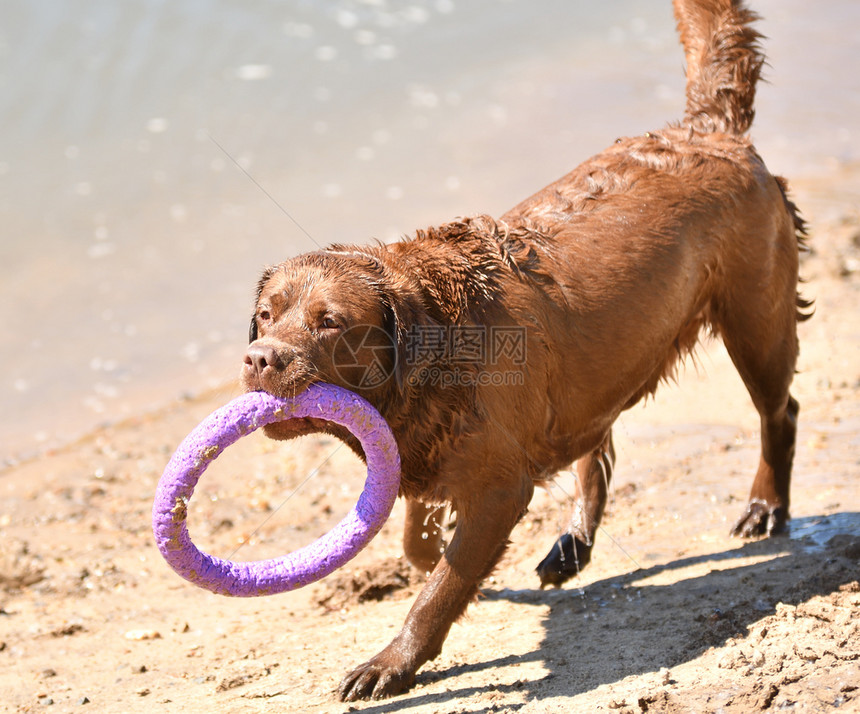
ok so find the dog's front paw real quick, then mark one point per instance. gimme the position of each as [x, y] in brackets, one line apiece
[567, 558]
[761, 518]
[381, 677]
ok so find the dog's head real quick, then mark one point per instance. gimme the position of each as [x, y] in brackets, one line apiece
[330, 316]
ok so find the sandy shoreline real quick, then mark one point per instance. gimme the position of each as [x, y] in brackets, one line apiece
[672, 615]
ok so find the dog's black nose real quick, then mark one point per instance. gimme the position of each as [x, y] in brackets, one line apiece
[261, 356]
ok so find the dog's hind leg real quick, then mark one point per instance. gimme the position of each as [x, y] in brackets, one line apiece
[767, 371]
[572, 550]
[759, 329]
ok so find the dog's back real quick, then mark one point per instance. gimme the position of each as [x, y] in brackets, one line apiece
[684, 223]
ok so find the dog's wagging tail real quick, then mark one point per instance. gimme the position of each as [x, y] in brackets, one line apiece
[600, 283]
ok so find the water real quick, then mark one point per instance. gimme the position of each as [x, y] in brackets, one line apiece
[154, 155]
[816, 531]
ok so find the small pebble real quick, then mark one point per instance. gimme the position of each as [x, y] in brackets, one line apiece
[143, 635]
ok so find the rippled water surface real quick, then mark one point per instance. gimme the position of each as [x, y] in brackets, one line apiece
[154, 155]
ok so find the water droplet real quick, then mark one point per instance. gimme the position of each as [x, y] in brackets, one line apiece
[298, 29]
[157, 125]
[346, 18]
[178, 212]
[253, 72]
[383, 136]
[365, 37]
[101, 250]
[326, 53]
[364, 153]
[385, 52]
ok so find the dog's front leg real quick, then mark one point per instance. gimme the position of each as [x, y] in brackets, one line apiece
[485, 518]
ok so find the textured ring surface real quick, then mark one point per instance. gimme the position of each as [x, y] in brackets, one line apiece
[227, 425]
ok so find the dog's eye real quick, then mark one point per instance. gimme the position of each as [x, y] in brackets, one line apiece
[264, 315]
[329, 323]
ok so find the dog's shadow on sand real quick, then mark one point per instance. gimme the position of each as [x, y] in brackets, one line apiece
[663, 625]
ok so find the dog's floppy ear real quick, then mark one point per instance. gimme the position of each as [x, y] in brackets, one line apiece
[404, 318]
[261, 283]
[393, 324]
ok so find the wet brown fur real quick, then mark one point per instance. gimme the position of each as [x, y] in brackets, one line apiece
[613, 272]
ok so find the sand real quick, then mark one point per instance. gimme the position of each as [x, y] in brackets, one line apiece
[672, 614]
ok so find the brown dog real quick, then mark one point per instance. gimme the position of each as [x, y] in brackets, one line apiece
[500, 351]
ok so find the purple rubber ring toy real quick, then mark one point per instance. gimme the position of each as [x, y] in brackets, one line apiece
[227, 425]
